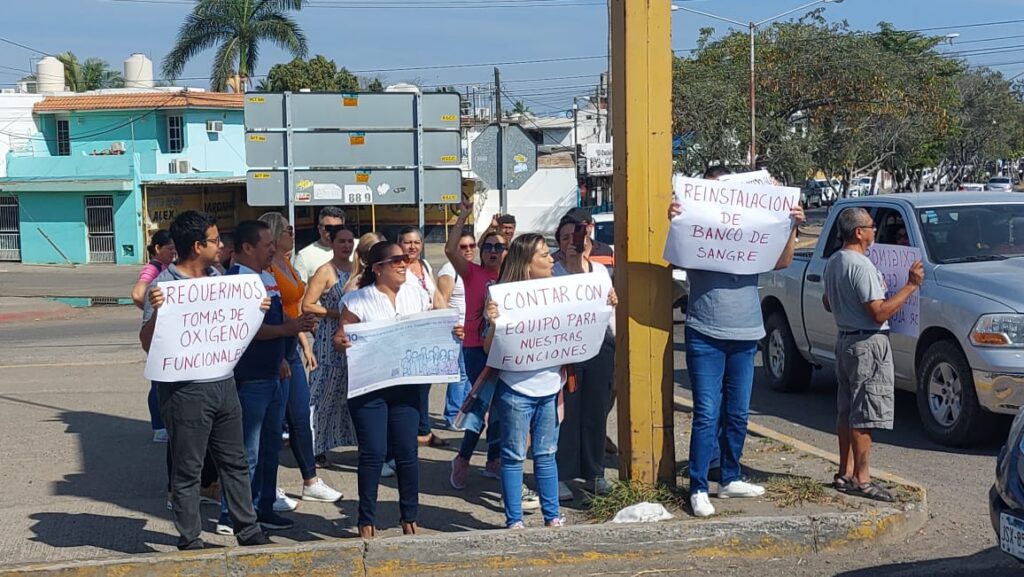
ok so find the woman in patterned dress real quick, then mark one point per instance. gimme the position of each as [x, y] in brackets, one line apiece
[332, 424]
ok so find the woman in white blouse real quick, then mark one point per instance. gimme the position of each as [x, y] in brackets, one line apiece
[389, 417]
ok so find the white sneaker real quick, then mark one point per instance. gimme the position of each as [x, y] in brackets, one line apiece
[284, 503]
[530, 500]
[159, 435]
[701, 505]
[320, 492]
[740, 489]
[564, 492]
[388, 470]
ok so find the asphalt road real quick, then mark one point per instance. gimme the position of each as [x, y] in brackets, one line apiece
[52, 356]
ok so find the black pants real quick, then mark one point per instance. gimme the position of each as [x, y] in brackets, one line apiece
[208, 476]
[201, 417]
[386, 422]
[581, 435]
[424, 422]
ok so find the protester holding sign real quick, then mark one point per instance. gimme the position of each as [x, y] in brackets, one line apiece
[477, 278]
[332, 424]
[526, 401]
[723, 326]
[259, 375]
[202, 412]
[296, 389]
[386, 418]
[855, 294]
[581, 436]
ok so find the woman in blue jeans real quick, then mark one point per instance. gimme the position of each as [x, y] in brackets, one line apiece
[386, 419]
[723, 326]
[527, 401]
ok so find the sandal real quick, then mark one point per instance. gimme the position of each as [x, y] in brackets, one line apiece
[871, 491]
[841, 483]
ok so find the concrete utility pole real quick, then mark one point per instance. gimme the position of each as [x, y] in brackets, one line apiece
[642, 65]
[502, 193]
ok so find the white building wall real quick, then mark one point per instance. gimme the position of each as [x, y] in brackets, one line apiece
[16, 124]
[538, 206]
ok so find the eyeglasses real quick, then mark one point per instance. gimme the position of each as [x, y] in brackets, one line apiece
[467, 246]
[396, 260]
[215, 240]
[871, 226]
[493, 247]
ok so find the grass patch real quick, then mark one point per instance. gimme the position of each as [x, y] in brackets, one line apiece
[787, 491]
[602, 508]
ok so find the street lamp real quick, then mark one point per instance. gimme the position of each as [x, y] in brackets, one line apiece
[752, 27]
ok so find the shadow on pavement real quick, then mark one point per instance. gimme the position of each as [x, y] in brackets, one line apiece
[120, 534]
[988, 563]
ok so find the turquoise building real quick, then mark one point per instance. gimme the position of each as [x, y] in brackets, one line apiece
[106, 169]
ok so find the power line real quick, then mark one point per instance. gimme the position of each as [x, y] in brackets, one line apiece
[19, 45]
[409, 5]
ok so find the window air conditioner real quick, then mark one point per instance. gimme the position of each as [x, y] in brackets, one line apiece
[184, 167]
[214, 125]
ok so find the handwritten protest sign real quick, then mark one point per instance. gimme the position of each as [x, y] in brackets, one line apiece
[755, 177]
[203, 327]
[894, 261]
[733, 227]
[410, 350]
[549, 322]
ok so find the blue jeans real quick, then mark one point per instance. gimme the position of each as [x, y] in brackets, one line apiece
[476, 361]
[386, 423]
[262, 414]
[297, 415]
[457, 392]
[154, 408]
[537, 416]
[721, 376]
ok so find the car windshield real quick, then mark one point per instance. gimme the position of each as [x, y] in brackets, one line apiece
[973, 233]
[605, 232]
[1000, 180]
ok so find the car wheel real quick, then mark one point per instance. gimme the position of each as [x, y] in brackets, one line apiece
[946, 399]
[783, 367]
[817, 203]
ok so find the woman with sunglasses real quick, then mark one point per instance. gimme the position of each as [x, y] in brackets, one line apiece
[328, 387]
[386, 419]
[476, 278]
[526, 402]
[296, 387]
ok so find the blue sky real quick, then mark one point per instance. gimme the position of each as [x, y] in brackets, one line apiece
[368, 40]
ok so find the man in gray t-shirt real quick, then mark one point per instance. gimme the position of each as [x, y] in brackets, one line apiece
[855, 295]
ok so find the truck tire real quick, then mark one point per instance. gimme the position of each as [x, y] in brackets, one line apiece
[946, 399]
[783, 367]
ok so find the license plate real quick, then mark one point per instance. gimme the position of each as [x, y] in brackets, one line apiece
[1011, 535]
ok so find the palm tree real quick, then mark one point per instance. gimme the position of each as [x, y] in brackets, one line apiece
[93, 74]
[521, 109]
[236, 28]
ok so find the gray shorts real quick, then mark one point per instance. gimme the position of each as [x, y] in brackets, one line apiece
[866, 384]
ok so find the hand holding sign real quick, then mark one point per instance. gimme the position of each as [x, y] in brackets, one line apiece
[203, 326]
[734, 227]
[548, 322]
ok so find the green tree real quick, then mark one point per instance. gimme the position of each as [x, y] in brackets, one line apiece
[236, 28]
[375, 85]
[317, 74]
[521, 109]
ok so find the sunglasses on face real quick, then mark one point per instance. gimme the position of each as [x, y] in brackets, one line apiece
[493, 247]
[395, 260]
[467, 246]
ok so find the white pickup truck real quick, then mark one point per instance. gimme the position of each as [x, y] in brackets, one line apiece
[968, 360]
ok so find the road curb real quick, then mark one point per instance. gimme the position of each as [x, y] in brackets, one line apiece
[54, 311]
[497, 552]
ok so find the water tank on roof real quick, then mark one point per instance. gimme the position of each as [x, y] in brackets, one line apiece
[49, 75]
[138, 71]
[403, 87]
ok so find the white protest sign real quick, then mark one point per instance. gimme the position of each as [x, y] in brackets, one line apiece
[409, 350]
[203, 327]
[894, 261]
[549, 322]
[732, 227]
[755, 177]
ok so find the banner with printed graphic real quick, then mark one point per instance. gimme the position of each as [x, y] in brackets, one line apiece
[410, 350]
